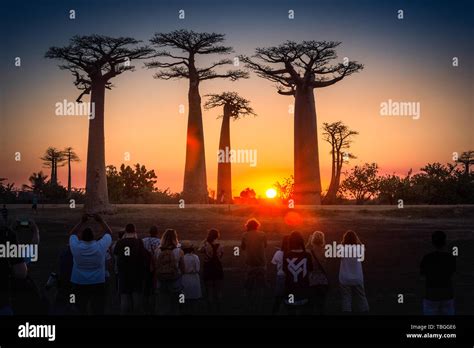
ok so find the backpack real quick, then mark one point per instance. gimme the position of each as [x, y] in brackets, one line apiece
[165, 265]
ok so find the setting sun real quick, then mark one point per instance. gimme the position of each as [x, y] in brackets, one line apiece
[271, 193]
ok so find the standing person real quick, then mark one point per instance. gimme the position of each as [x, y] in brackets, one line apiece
[5, 213]
[168, 271]
[114, 261]
[11, 269]
[351, 279]
[191, 280]
[88, 270]
[318, 280]
[438, 268]
[132, 261]
[297, 266]
[277, 260]
[151, 243]
[61, 305]
[212, 270]
[254, 243]
[34, 205]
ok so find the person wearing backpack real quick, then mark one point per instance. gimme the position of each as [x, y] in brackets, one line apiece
[318, 280]
[168, 270]
[212, 270]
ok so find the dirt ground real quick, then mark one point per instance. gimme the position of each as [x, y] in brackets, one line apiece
[395, 241]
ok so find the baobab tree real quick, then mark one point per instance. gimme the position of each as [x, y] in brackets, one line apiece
[189, 46]
[339, 136]
[234, 107]
[298, 69]
[53, 158]
[70, 156]
[94, 60]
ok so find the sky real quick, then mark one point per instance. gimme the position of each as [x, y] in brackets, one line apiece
[406, 60]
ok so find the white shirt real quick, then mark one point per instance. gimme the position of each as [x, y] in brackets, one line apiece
[89, 259]
[278, 261]
[350, 271]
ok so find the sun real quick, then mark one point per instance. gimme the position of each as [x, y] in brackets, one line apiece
[271, 193]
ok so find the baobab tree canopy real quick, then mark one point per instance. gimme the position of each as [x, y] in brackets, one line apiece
[298, 68]
[189, 45]
[306, 64]
[192, 44]
[236, 105]
[97, 57]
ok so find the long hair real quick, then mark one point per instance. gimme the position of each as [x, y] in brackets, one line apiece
[169, 240]
[350, 237]
[285, 244]
[296, 241]
[316, 240]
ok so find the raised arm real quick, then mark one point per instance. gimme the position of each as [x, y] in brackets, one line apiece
[103, 224]
[75, 230]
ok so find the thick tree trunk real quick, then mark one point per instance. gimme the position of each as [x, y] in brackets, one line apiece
[306, 157]
[195, 180]
[330, 197]
[224, 170]
[97, 200]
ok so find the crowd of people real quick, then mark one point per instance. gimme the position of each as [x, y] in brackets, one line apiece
[160, 275]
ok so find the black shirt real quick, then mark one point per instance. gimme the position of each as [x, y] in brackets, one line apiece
[438, 267]
[131, 258]
[6, 264]
[297, 265]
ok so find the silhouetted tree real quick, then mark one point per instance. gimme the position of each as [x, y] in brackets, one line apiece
[53, 158]
[94, 60]
[467, 160]
[234, 107]
[183, 65]
[38, 182]
[286, 188]
[362, 182]
[299, 68]
[70, 156]
[340, 137]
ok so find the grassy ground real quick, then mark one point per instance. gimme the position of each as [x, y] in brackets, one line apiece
[395, 239]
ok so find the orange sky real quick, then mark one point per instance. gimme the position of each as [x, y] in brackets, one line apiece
[402, 62]
[142, 118]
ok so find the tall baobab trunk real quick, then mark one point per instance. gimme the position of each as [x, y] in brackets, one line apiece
[195, 180]
[69, 174]
[224, 171]
[306, 156]
[97, 199]
[53, 172]
[330, 197]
